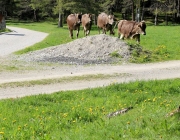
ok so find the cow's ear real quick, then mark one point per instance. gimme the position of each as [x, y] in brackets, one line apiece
[140, 24]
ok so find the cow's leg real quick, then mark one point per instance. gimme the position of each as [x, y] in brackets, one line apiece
[99, 30]
[71, 33]
[122, 37]
[104, 31]
[77, 33]
[111, 32]
[84, 31]
[119, 35]
[88, 31]
[138, 38]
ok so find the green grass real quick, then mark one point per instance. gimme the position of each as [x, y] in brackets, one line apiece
[166, 36]
[157, 36]
[4, 30]
[81, 115]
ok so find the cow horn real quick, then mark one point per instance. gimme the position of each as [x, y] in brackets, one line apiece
[143, 21]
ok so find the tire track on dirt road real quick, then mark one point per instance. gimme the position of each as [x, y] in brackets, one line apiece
[126, 72]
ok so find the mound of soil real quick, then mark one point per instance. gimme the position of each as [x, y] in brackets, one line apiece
[95, 49]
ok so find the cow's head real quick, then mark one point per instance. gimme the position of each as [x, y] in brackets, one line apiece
[141, 28]
[89, 18]
[78, 18]
[111, 19]
[110, 24]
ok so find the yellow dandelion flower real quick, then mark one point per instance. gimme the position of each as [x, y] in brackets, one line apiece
[165, 101]
[128, 122]
[65, 115]
[90, 109]
[1, 133]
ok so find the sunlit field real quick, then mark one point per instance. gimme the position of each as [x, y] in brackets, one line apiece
[81, 115]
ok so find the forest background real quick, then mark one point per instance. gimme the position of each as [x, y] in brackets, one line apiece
[156, 11]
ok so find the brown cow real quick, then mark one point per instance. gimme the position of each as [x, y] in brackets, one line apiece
[131, 29]
[86, 23]
[73, 22]
[105, 23]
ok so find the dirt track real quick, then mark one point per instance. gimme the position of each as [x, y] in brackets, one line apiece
[125, 72]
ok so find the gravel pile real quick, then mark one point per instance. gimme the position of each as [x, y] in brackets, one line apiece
[97, 49]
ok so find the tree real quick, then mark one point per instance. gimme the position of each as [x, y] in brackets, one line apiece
[35, 6]
[59, 9]
[166, 7]
[129, 5]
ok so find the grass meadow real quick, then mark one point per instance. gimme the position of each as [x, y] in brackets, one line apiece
[160, 44]
[82, 115]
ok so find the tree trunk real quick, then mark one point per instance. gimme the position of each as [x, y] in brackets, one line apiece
[156, 17]
[156, 20]
[60, 22]
[34, 18]
[166, 19]
[133, 17]
[137, 15]
[95, 20]
[142, 16]
[178, 8]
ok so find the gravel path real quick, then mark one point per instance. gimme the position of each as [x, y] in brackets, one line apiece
[18, 39]
[126, 72]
